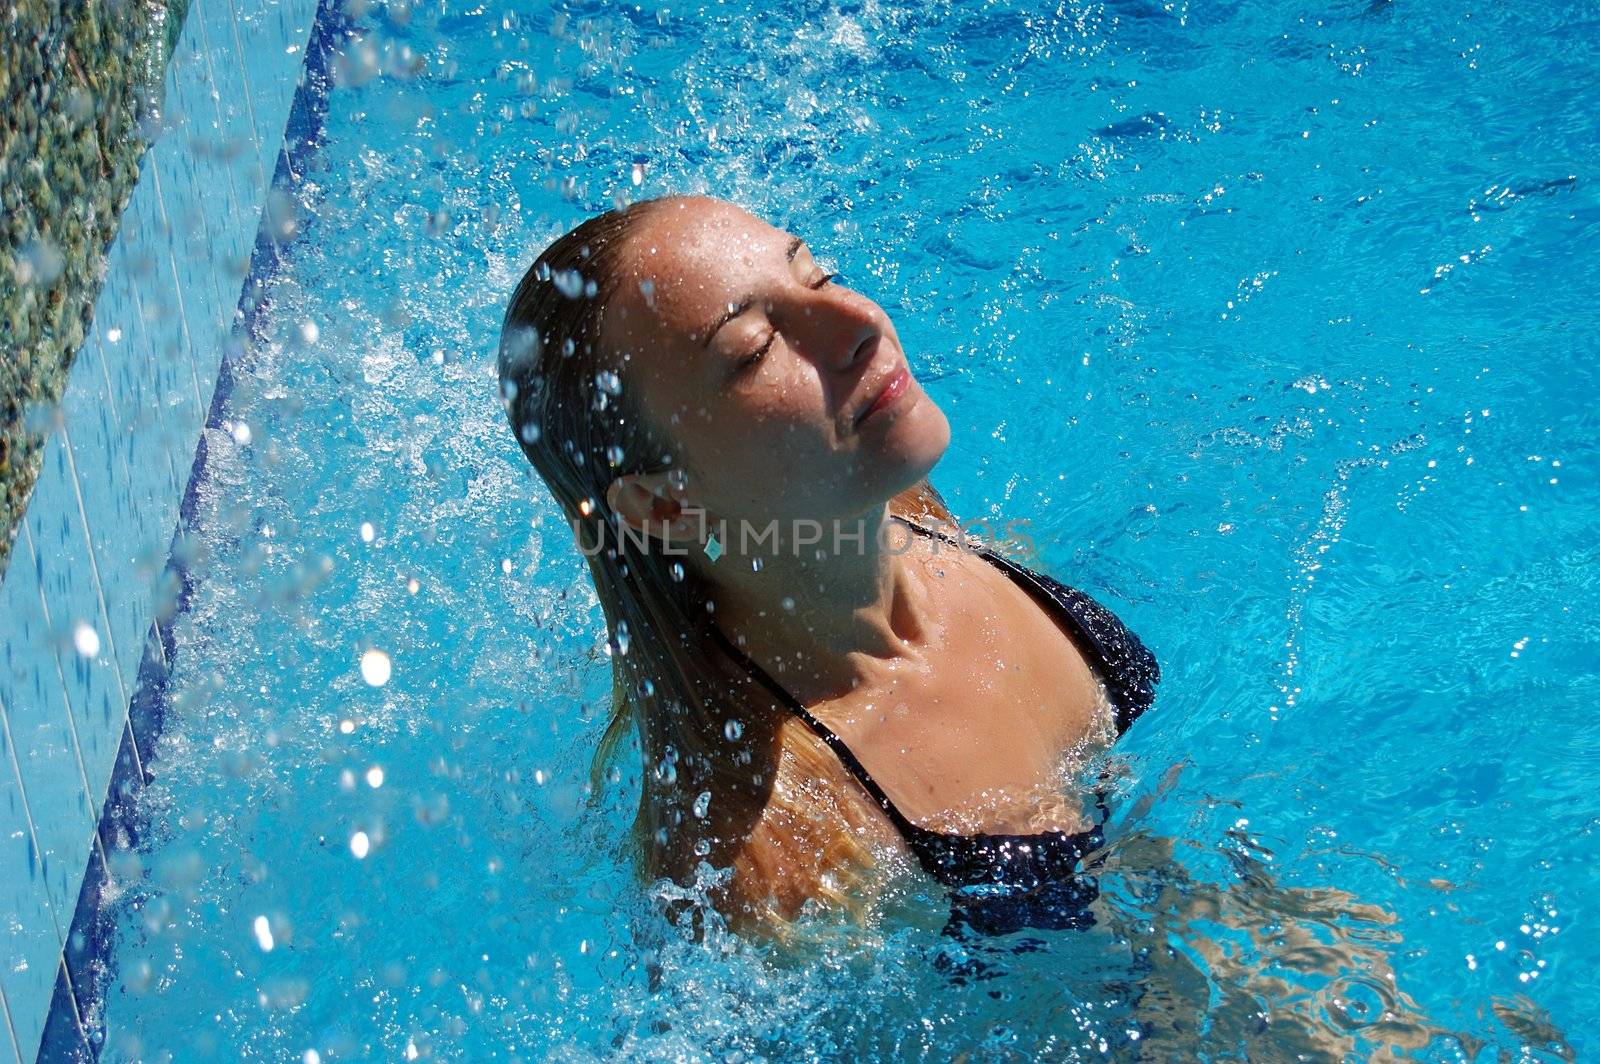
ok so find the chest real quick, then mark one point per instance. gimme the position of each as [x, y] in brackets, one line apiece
[980, 733]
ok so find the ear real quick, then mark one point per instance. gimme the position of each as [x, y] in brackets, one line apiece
[650, 503]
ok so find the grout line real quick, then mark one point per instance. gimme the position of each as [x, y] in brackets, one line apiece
[216, 107]
[263, 179]
[94, 570]
[177, 284]
[33, 839]
[160, 422]
[11, 1028]
[66, 697]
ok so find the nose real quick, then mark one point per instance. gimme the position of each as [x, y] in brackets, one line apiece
[855, 335]
[863, 350]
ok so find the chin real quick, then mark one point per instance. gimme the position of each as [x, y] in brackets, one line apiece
[913, 446]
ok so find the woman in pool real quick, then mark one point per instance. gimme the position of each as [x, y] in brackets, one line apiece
[703, 400]
[822, 672]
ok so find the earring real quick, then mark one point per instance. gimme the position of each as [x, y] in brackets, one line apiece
[713, 548]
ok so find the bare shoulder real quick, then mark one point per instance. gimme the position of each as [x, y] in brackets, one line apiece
[816, 838]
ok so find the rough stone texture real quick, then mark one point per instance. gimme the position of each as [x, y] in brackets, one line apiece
[79, 79]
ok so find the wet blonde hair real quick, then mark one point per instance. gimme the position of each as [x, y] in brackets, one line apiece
[730, 777]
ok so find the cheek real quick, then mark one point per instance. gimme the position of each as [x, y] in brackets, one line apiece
[780, 413]
[760, 433]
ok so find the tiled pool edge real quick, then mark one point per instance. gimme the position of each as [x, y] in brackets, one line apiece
[247, 92]
[88, 954]
[89, 966]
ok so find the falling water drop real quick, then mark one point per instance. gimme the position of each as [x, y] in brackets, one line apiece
[568, 282]
[86, 640]
[263, 932]
[733, 729]
[375, 667]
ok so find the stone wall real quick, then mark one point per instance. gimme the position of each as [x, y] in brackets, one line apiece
[80, 79]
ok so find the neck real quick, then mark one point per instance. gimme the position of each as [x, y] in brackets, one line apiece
[821, 626]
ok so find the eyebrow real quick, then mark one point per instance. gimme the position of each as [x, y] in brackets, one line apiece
[744, 304]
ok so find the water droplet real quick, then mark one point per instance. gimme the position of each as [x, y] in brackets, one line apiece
[86, 640]
[667, 772]
[608, 382]
[368, 533]
[375, 777]
[677, 571]
[702, 804]
[733, 729]
[638, 173]
[375, 667]
[787, 603]
[569, 283]
[614, 455]
[263, 932]
[360, 845]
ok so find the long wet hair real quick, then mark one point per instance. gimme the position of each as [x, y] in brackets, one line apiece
[729, 777]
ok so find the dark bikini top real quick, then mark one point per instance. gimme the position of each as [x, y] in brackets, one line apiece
[1011, 862]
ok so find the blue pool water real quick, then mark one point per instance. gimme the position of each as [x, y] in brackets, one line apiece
[1275, 322]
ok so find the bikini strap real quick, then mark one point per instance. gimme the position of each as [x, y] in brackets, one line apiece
[1128, 667]
[823, 732]
[827, 735]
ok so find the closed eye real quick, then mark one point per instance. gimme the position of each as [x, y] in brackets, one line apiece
[756, 355]
[759, 352]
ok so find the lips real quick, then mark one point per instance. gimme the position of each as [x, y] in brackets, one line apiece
[892, 387]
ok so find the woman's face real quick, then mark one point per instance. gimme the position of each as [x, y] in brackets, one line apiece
[739, 351]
